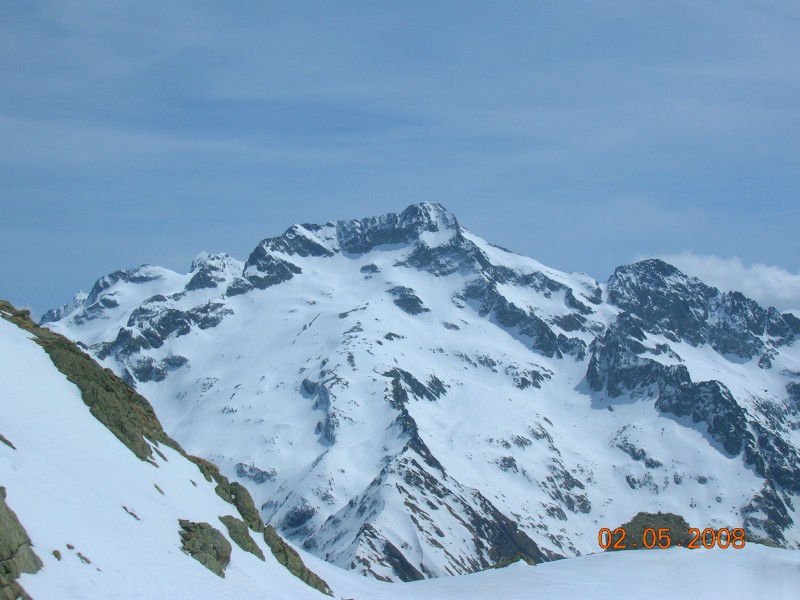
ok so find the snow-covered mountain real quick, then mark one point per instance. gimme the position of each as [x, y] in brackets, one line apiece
[406, 400]
[98, 502]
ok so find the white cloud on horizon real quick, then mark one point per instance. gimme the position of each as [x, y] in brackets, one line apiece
[767, 285]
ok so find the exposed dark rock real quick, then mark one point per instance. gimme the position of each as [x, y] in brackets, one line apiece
[683, 308]
[638, 454]
[206, 544]
[766, 515]
[570, 322]
[457, 255]
[712, 402]
[793, 390]
[403, 380]
[298, 240]
[148, 369]
[508, 463]
[327, 425]
[525, 324]
[153, 322]
[773, 458]
[404, 570]
[254, 474]
[208, 271]
[263, 269]
[297, 519]
[779, 326]
[136, 275]
[407, 300]
[436, 387]
[362, 235]
[792, 322]
[209, 314]
[493, 535]
[738, 324]
[95, 304]
[370, 269]
[663, 297]
[525, 377]
[617, 366]
[239, 286]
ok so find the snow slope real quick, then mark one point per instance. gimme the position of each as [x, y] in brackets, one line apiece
[72, 483]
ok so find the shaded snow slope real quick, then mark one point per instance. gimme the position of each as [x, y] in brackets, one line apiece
[406, 400]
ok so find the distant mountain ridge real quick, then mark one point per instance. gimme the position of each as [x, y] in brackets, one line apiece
[407, 400]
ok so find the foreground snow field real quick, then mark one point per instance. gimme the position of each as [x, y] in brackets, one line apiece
[114, 520]
[753, 572]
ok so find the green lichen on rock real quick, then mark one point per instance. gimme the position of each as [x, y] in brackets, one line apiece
[677, 529]
[507, 561]
[206, 544]
[240, 534]
[288, 557]
[763, 541]
[4, 439]
[232, 493]
[16, 554]
[243, 502]
[116, 405]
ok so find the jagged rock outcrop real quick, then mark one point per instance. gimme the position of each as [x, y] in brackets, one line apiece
[16, 553]
[676, 534]
[289, 558]
[206, 545]
[240, 534]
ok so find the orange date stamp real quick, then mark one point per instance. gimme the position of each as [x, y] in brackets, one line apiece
[661, 538]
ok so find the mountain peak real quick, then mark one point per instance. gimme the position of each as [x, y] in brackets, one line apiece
[428, 222]
[428, 217]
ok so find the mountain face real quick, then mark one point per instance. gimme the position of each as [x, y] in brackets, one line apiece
[406, 400]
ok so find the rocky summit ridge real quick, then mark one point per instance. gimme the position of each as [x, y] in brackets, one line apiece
[406, 400]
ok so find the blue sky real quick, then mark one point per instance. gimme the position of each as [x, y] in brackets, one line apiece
[584, 134]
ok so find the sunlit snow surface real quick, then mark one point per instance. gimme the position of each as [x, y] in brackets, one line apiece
[70, 480]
